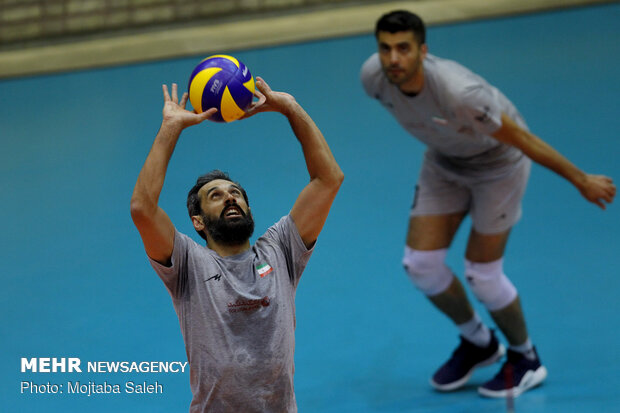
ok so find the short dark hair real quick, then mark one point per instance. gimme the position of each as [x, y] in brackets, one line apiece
[402, 21]
[193, 200]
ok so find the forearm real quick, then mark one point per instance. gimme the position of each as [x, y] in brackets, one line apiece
[539, 151]
[319, 158]
[595, 188]
[544, 154]
[151, 178]
[313, 204]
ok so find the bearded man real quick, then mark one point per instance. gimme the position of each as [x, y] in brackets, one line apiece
[235, 302]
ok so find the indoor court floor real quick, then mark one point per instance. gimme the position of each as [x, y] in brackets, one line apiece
[76, 281]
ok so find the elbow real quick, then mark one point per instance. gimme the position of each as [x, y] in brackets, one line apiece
[138, 209]
[336, 178]
[329, 182]
[340, 177]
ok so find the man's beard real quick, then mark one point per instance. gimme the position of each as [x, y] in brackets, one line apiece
[235, 231]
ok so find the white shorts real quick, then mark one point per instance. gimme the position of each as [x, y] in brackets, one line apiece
[494, 201]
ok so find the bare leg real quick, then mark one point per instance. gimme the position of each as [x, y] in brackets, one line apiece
[510, 319]
[478, 345]
[434, 232]
[511, 322]
[454, 303]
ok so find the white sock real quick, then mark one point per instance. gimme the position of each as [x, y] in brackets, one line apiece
[527, 349]
[475, 331]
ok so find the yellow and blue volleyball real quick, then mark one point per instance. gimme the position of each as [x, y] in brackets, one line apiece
[222, 82]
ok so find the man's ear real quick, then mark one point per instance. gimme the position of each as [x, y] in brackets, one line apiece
[423, 50]
[198, 223]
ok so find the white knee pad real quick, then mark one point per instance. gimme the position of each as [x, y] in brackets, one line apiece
[428, 270]
[489, 283]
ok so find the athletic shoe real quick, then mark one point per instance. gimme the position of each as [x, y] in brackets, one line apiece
[455, 372]
[517, 375]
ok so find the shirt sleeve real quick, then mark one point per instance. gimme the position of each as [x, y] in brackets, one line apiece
[482, 108]
[369, 75]
[174, 276]
[285, 234]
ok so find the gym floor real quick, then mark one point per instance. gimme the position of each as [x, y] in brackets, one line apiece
[77, 283]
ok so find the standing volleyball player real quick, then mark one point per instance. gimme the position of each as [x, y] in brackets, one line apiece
[477, 162]
[235, 302]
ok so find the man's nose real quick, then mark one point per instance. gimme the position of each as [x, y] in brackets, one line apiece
[394, 57]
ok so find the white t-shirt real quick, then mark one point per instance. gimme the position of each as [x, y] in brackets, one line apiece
[454, 114]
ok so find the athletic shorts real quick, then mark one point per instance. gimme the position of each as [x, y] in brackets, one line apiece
[493, 201]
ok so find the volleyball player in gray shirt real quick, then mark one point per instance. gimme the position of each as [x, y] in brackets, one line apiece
[235, 302]
[477, 162]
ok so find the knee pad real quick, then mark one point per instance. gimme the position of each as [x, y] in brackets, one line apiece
[489, 283]
[428, 270]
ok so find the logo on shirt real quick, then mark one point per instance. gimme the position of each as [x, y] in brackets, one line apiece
[263, 269]
[216, 277]
[484, 118]
[248, 305]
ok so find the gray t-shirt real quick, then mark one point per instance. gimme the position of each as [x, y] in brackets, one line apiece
[454, 114]
[237, 317]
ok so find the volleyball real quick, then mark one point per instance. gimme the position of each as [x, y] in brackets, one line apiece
[222, 82]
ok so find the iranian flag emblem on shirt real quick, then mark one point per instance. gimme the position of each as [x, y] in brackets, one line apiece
[263, 269]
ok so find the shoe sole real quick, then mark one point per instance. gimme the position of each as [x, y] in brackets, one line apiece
[530, 380]
[501, 350]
